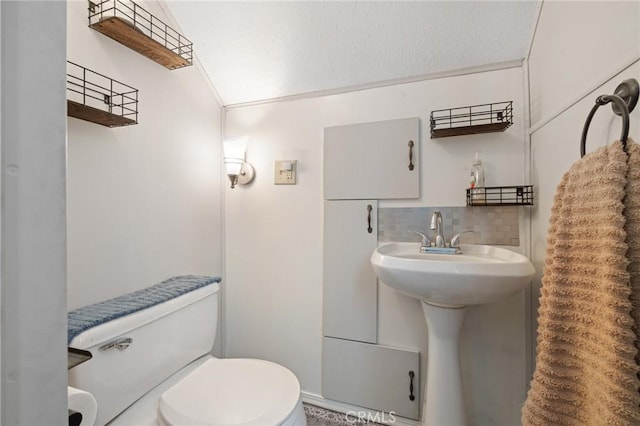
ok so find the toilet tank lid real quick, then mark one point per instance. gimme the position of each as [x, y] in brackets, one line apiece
[82, 319]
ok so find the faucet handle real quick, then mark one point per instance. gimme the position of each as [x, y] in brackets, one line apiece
[455, 241]
[425, 240]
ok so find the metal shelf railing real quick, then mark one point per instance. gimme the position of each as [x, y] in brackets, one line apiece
[473, 119]
[145, 23]
[520, 195]
[98, 93]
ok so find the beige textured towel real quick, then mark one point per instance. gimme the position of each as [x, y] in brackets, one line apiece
[586, 371]
[632, 215]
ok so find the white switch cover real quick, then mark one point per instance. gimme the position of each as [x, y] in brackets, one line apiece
[285, 172]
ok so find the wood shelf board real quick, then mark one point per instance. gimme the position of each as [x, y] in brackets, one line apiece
[125, 33]
[95, 115]
[469, 130]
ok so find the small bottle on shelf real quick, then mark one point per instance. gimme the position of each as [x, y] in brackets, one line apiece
[477, 181]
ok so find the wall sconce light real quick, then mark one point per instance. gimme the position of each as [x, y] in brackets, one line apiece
[239, 171]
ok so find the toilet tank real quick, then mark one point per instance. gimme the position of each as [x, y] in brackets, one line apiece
[134, 353]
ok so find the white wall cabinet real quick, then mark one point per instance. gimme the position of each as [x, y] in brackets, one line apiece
[372, 376]
[376, 160]
[362, 164]
[350, 290]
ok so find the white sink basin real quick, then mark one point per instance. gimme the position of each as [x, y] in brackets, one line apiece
[446, 283]
[481, 274]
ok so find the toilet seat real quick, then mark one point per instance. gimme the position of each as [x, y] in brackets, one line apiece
[231, 392]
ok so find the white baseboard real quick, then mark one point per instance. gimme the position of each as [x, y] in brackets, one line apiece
[354, 410]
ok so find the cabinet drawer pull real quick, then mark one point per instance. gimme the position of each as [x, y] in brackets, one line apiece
[369, 208]
[411, 396]
[410, 155]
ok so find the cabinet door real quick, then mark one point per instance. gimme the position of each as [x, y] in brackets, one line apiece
[378, 160]
[372, 376]
[350, 290]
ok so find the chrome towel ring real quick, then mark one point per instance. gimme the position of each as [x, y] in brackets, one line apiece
[623, 102]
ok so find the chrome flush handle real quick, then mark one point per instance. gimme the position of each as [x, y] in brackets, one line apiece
[120, 343]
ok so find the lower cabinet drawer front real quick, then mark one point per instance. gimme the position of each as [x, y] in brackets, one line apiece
[372, 376]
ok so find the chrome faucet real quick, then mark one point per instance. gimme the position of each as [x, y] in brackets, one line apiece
[438, 243]
[436, 225]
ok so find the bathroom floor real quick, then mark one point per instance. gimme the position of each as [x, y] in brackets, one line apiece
[317, 416]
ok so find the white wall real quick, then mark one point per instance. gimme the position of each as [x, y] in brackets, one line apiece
[274, 233]
[144, 201]
[34, 358]
[0, 218]
[577, 46]
[573, 61]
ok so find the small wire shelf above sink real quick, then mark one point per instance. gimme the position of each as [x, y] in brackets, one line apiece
[473, 119]
[521, 195]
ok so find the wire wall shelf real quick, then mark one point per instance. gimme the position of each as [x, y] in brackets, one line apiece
[469, 120]
[99, 99]
[136, 28]
[500, 196]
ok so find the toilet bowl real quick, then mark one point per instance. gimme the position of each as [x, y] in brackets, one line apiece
[233, 392]
[154, 367]
[192, 397]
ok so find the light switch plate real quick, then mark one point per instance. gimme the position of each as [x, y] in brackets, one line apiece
[285, 172]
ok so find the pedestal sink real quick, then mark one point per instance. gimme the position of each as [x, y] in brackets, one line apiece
[446, 284]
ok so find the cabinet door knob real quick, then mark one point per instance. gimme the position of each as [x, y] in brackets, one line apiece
[369, 208]
[410, 155]
[411, 375]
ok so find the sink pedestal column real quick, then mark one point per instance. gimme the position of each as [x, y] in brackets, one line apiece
[444, 404]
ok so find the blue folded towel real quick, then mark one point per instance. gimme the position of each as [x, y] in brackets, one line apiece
[84, 318]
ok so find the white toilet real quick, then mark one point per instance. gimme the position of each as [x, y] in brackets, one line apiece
[153, 367]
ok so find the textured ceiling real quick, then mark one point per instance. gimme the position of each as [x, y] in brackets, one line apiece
[263, 50]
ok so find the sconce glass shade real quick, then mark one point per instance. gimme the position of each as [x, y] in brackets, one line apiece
[234, 154]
